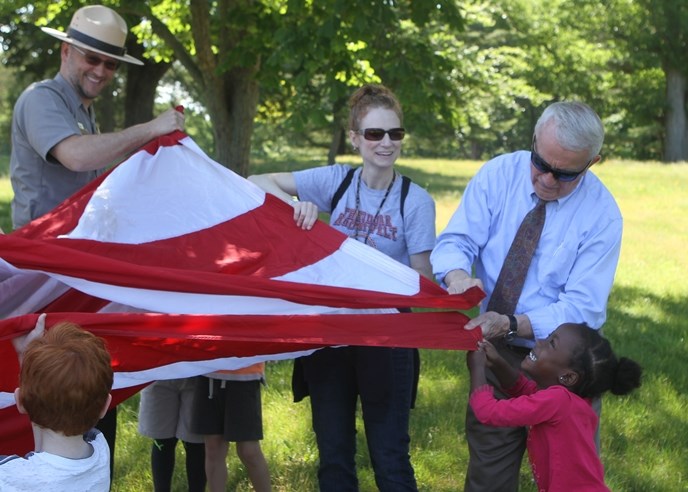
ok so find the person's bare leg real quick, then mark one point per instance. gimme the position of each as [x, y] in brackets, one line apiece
[216, 462]
[251, 455]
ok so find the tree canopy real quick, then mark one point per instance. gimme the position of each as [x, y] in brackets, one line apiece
[472, 75]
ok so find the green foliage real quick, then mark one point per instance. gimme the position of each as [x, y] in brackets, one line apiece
[393, 43]
[472, 75]
[24, 44]
[180, 90]
[175, 16]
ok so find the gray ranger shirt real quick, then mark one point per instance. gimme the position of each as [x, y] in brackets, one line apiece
[46, 113]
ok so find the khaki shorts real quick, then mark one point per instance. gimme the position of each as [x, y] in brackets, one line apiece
[165, 410]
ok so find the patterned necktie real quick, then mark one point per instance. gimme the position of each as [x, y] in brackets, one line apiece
[509, 284]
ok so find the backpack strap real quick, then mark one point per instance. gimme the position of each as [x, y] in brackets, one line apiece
[346, 182]
[405, 185]
[342, 188]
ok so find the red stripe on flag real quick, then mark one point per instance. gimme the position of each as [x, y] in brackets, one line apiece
[77, 258]
[139, 341]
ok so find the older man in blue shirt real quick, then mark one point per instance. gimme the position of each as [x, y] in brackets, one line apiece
[570, 274]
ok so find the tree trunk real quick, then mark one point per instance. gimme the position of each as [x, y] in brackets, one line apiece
[233, 135]
[106, 111]
[141, 87]
[476, 150]
[676, 130]
[337, 145]
[232, 102]
[229, 95]
[339, 131]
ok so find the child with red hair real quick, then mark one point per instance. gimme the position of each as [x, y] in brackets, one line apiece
[64, 388]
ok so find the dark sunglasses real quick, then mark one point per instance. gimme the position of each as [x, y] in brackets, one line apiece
[377, 134]
[542, 166]
[94, 60]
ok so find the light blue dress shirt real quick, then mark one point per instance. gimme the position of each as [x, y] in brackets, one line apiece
[573, 268]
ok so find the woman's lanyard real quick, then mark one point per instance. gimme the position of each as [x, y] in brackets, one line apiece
[377, 213]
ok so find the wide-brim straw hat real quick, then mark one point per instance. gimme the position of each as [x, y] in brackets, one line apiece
[99, 29]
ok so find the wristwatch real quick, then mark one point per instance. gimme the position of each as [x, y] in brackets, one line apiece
[513, 328]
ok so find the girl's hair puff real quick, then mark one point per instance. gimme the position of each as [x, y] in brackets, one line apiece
[598, 368]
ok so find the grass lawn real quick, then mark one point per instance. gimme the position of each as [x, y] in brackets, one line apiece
[644, 435]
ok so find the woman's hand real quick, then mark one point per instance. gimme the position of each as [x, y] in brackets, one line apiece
[305, 214]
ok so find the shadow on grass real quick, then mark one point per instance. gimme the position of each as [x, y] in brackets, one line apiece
[652, 330]
[647, 430]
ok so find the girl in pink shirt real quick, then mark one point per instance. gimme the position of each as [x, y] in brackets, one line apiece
[564, 372]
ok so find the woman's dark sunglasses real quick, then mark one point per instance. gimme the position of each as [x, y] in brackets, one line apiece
[542, 166]
[94, 60]
[377, 134]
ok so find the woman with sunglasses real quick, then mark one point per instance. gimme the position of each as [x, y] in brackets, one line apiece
[369, 211]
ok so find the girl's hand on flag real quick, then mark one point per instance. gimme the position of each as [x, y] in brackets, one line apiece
[491, 354]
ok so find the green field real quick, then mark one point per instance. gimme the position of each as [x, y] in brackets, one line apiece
[644, 435]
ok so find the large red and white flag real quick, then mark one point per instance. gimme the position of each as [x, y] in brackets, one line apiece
[185, 267]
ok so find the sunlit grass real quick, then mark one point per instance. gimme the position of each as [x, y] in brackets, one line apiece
[644, 435]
